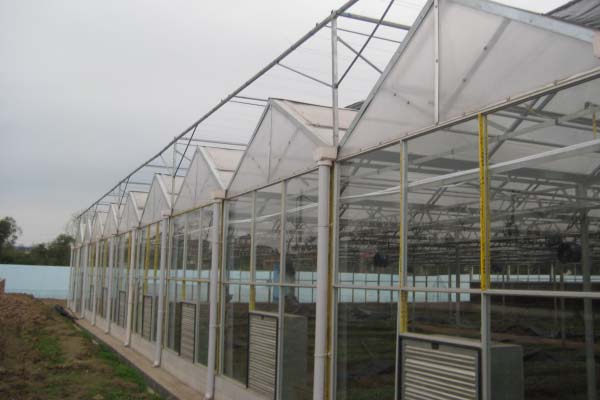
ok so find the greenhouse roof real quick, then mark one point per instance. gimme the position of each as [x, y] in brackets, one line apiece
[163, 189]
[112, 220]
[211, 169]
[580, 12]
[98, 227]
[132, 211]
[502, 53]
[284, 140]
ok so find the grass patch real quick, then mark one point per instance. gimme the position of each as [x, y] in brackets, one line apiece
[49, 348]
[120, 369]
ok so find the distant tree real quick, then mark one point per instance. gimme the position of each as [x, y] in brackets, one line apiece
[9, 233]
[59, 250]
[39, 254]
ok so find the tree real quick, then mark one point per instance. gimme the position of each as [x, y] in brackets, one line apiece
[9, 233]
[59, 250]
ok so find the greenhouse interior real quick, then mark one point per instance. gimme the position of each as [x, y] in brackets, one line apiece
[436, 238]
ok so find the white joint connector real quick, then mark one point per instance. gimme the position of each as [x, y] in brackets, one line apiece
[218, 194]
[165, 213]
[325, 153]
[596, 44]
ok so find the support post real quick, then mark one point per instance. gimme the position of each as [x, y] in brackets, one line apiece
[95, 280]
[161, 290]
[84, 279]
[484, 266]
[588, 314]
[130, 289]
[324, 158]
[334, 81]
[111, 260]
[213, 299]
[71, 274]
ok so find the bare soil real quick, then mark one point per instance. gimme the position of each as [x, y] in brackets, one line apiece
[43, 355]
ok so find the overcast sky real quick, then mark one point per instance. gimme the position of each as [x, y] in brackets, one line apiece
[90, 89]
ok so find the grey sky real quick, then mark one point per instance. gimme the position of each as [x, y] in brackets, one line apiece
[90, 89]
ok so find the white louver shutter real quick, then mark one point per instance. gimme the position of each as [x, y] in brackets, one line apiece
[188, 331]
[262, 353]
[440, 371]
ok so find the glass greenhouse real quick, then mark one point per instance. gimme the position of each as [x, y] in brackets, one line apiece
[438, 240]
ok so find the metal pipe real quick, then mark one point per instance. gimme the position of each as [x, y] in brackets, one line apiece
[237, 91]
[84, 280]
[374, 21]
[161, 288]
[365, 59]
[214, 290]
[69, 295]
[322, 282]
[334, 82]
[588, 314]
[111, 260]
[95, 280]
[130, 290]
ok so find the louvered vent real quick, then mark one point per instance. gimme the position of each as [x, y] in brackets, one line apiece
[122, 308]
[147, 317]
[444, 368]
[262, 353]
[439, 372]
[188, 331]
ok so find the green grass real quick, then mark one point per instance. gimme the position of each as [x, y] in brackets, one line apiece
[49, 348]
[120, 369]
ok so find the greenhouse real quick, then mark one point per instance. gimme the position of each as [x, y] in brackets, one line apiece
[439, 239]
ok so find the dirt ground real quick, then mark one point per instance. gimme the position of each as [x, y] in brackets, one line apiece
[43, 355]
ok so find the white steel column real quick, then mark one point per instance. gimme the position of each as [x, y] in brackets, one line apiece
[324, 157]
[130, 290]
[76, 285]
[71, 289]
[84, 280]
[213, 293]
[161, 291]
[95, 280]
[111, 260]
[588, 315]
[334, 81]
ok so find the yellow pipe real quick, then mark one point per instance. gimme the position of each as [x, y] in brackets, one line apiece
[128, 256]
[484, 208]
[403, 320]
[156, 249]
[146, 259]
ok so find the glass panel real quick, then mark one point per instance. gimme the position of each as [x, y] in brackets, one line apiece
[301, 229]
[235, 351]
[267, 233]
[266, 299]
[369, 218]
[202, 322]
[448, 314]
[545, 227]
[237, 259]
[206, 240]
[443, 215]
[552, 342]
[366, 346]
[193, 233]
[298, 345]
